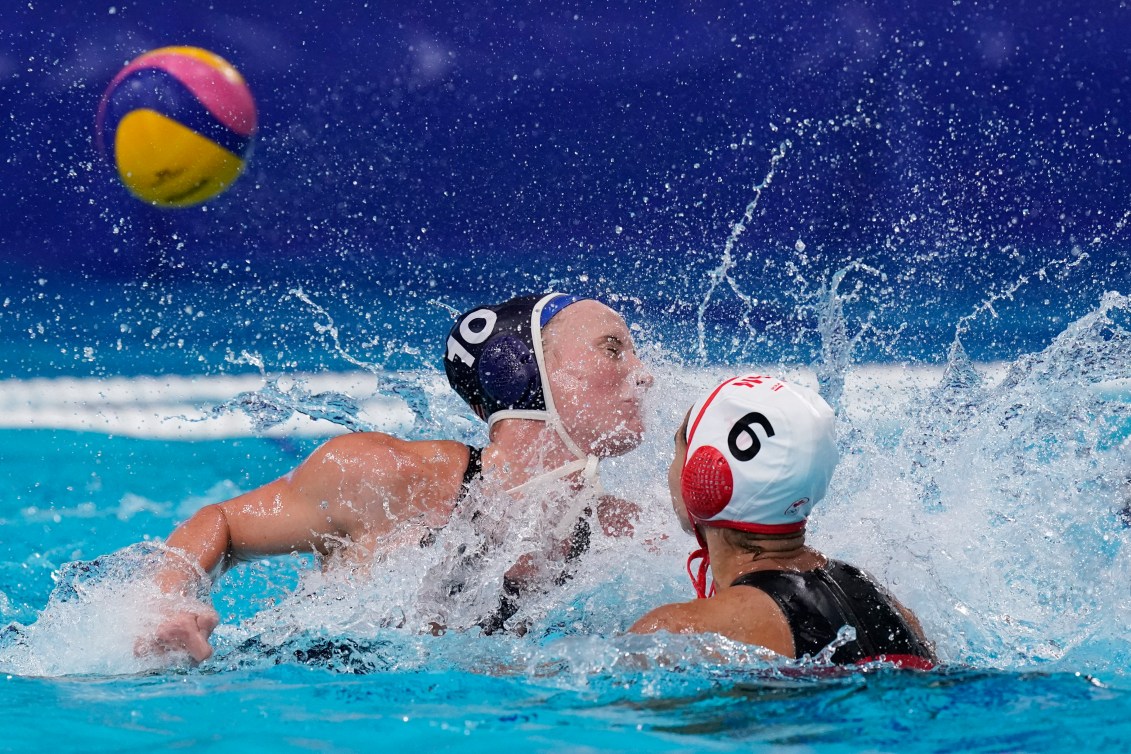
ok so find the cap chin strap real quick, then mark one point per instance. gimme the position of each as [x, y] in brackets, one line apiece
[573, 506]
[586, 465]
[585, 462]
[699, 576]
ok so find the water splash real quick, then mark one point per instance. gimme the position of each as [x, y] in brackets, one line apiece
[722, 273]
[1059, 268]
[282, 397]
[994, 512]
[407, 389]
[93, 618]
[845, 635]
[987, 498]
[832, 326]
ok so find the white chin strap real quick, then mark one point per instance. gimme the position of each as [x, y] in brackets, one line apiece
[585, 462]
[586, 465]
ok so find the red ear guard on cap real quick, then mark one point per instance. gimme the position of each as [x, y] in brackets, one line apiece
[706, 483]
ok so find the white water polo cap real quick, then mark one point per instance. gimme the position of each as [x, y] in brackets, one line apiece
[760, 454]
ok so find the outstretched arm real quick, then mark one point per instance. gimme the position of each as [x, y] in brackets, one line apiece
[351, 486]
[275, 518]
[302, 512]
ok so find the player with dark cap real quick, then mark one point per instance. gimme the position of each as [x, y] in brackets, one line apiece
[752, 458]
[559, 383]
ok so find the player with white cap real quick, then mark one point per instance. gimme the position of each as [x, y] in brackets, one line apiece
[752, 458]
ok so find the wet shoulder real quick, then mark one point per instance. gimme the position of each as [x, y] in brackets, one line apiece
[751, 616]
[675, 618]
[438, 463]
[742, 614]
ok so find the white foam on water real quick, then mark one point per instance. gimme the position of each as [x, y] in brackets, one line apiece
[185, 407]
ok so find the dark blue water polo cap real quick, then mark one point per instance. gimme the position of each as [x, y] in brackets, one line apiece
[493, 357]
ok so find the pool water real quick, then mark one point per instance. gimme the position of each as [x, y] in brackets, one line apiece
[296, 708]
[988, 496]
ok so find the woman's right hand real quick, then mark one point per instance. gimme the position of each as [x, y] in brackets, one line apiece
[184, 631]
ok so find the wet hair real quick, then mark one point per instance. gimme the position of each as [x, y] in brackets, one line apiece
[752, 543]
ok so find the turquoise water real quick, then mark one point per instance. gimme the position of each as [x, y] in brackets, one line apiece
[987, 495]
[299, 708]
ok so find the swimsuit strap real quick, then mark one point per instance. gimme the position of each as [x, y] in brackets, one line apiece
[813, 614]
[473, 471]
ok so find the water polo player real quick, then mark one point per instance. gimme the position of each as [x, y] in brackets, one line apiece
[559, 383]
[752, 458]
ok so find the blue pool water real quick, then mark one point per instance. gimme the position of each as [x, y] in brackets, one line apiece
[921, 211]
[988, 496]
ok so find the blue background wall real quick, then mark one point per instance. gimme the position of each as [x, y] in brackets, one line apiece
[955, 145]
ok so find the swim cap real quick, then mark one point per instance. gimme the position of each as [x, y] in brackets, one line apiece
[494, 360]
[760, 454]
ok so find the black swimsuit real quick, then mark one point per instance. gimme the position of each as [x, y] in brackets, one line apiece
[509, 599]
[818, 603]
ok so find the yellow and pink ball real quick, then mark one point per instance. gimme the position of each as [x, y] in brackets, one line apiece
[178, 123]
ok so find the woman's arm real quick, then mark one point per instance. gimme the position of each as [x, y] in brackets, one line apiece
[348, 486]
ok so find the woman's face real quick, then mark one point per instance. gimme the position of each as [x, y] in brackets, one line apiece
[597, 381]
[675, 474]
